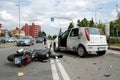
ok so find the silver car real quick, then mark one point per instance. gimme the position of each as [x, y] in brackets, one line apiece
[25, 40]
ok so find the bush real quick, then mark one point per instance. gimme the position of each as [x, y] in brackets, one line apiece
[114, 40]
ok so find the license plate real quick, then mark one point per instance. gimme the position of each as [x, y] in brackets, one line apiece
[101, 48]
[17, 60]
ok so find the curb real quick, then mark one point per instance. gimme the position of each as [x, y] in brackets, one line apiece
[7, 45]
[114, 48]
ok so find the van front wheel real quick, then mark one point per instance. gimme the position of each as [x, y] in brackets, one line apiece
[81, 51]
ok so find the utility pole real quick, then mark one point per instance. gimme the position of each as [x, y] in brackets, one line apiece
[118, 16]
[96, 14]
[117, 8]
[19, 15]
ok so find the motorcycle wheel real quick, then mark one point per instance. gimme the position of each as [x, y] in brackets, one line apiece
[11, 57]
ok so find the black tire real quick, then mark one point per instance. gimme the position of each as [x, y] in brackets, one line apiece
[11, 57]
[81, 51]
[100, 53]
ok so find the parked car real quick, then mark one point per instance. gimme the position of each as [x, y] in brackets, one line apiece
[25, 40]
[83, 40]
[11, 39]
[39, 40]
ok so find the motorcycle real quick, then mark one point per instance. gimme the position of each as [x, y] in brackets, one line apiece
[22, 57]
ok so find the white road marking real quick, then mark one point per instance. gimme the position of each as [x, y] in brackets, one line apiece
[60, 66]
[62, 70]
[54, 70]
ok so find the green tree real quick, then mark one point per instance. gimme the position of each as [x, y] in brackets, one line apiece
[91, 23]
[71, 26]
[101, 26]
[79, 23]
[85, 23]
[41, 34]
[117, 22]
[54, 36]
[50, 37]
[112, 29]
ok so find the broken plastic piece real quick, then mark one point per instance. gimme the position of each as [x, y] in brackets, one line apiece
[20, 74]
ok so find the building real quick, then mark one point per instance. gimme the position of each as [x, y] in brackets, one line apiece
[2, 32]
[31, 30]
[16, 32]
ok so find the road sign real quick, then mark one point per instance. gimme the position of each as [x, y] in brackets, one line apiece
[52, 19]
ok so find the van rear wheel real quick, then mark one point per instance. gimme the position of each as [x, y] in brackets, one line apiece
[81, 51]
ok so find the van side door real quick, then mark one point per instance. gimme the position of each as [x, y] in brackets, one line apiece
[73, 40]
[63, 39]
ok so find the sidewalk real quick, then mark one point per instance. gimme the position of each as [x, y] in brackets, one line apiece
[114, 48]
[7, 45]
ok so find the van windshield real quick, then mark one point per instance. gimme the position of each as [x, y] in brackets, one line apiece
[94, 31]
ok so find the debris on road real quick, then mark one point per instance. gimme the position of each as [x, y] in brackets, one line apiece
[20, 74]
[107, 75]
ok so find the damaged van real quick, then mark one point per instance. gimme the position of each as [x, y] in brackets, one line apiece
[83, 40]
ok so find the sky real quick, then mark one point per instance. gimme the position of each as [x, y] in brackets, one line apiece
[63, 11]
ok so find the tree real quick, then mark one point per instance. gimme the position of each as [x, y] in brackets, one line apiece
[91, 23]
[41, 34]
[70, 26]
[54, 36]
[112, 29]
[117, 25]
[85, 23]
[117, 22]
[79, 23]
[50, 37]
[101, 26]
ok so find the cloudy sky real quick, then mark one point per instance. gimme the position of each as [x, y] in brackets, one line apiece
[64, 11]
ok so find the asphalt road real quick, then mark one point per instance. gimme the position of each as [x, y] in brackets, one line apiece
[70, 67]
[34, 71]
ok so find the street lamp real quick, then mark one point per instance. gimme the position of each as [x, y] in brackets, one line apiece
[96, 13]
[19, 14]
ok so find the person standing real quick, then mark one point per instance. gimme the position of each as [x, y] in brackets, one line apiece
[45, 39]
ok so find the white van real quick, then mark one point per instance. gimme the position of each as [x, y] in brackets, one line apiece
[83, 40]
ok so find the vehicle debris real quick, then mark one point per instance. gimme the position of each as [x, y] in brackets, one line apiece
[107, 75]
[20, 74]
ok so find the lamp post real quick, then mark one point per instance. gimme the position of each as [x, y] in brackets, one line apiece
[19, 14]
[96, 13]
